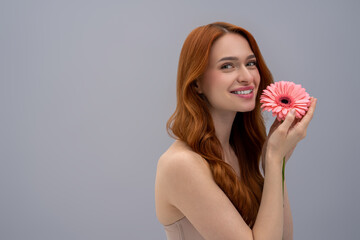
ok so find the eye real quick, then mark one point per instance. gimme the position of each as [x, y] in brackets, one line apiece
[227, 66]
[252, 64]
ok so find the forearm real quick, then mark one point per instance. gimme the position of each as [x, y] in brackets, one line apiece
[288, 221]
[288, 233]
[270, 219]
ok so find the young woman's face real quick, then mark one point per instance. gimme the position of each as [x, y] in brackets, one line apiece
[231, 74]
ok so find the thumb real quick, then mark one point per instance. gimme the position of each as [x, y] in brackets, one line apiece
[289, 119]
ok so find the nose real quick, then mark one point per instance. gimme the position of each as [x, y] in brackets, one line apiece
[244, 75]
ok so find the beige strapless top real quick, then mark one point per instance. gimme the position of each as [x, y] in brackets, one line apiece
[182, 229]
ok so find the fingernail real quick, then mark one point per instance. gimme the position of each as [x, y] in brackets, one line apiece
[292, 111]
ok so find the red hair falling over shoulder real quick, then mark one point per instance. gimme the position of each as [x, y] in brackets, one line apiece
[192, 122]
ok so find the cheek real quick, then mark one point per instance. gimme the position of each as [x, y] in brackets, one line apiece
[257, 77]
[212, 82]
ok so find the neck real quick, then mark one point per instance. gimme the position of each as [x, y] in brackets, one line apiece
[223, 123]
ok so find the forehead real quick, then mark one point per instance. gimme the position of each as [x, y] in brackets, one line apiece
[231, 44]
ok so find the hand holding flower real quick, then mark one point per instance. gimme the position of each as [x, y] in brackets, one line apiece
[272, 129]
[280, 98]
[283, 139]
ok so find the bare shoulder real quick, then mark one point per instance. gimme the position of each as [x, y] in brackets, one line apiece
[179, 156]
[185, 187]
[176, 165]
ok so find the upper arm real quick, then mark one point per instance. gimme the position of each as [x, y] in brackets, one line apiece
[191, 189]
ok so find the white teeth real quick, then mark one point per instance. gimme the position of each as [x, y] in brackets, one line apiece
[243, 92]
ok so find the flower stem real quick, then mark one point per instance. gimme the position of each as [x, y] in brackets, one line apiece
[283, 175]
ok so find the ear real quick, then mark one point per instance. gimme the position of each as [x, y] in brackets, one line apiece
[197, 86]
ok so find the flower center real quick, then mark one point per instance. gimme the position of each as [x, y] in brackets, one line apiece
[285, 101]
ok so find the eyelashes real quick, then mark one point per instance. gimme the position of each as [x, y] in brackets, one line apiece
[228, 66]
[253, 63]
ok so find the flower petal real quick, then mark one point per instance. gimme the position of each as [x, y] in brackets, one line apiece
[277, 109]
[301, 111]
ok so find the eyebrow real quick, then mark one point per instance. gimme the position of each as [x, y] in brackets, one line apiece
[236, 58]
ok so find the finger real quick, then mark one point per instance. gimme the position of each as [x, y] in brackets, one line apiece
[274, 125]
[289, 119]
[310, 113]
[295, 122]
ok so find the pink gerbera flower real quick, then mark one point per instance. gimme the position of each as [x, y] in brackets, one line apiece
[281, 97]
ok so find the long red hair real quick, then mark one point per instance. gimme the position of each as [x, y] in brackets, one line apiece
[192, 122]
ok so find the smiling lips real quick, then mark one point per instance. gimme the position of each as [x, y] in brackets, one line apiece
[244, 92]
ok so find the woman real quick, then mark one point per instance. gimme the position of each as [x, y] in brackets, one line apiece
[208, 183]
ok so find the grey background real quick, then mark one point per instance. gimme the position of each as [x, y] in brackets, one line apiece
[86, 88]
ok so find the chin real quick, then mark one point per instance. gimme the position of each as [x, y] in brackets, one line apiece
[247, 109]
